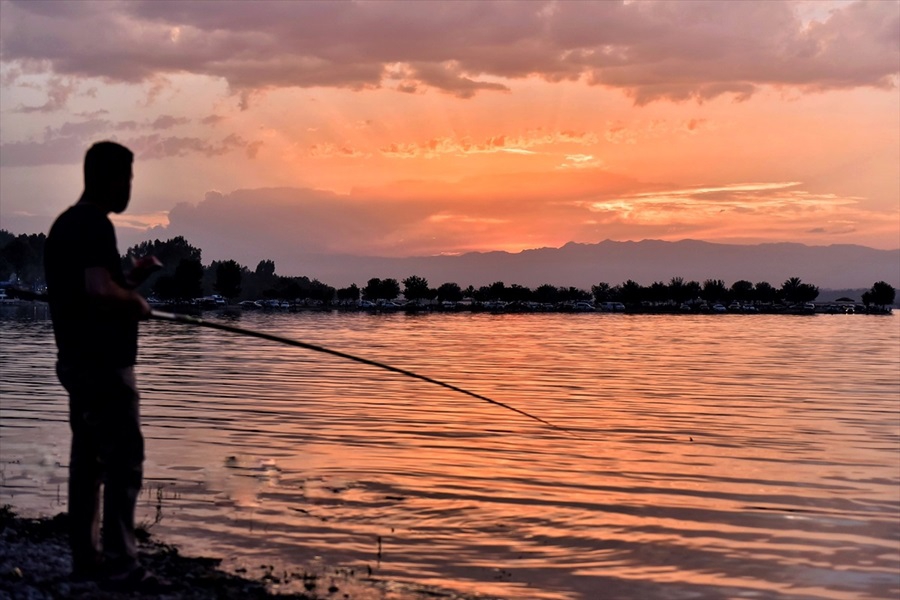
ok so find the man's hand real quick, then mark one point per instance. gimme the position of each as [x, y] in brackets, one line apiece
[99, 285]
[141, 269]
[143, 308]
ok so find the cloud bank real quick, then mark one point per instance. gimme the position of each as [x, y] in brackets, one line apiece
[67, 143]
[415, 219]
[651, 50]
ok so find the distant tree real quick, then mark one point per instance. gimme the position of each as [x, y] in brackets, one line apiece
[188, 279]
[6, 268]
[677, 291]
[631, 292]
[22, 256]
[615, 293]
[573, 294]
[164, 288]
[372, 289]
[881, 294]
[482, 294]
[294, 288]
[321, 291]
[714, 290]
[185, 284]
[349, 294]
[170, 253]
[742, 290]
[291, 289]
[789, 289]
[381, 289]
[16, 255]
[416, 288]
[265, 268]
[808, 292]
[601, 292]
[228, 279]
[763, 291]
[794, 290]
[517, 293]
[546, 294]
[449, 292]
[390, 289]
[497, 290]
[692, 290]
[158, 248]
[658, 292]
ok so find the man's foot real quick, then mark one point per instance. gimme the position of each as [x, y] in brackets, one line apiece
[90, 570]
[137, 579]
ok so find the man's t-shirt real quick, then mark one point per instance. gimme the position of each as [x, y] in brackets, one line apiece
[87, 334]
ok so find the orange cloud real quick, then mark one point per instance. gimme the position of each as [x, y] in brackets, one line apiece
[520, 144]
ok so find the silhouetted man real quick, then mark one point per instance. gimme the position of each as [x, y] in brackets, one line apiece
[95, 314]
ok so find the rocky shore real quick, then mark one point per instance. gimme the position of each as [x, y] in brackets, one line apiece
[35, 565]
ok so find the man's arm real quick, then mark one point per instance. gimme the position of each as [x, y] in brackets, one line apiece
[99, 285]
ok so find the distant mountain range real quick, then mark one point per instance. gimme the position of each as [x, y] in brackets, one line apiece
[584, 265]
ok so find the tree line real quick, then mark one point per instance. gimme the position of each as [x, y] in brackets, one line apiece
[184, 278]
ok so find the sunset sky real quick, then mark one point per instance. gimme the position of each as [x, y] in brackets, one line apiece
[288, 129]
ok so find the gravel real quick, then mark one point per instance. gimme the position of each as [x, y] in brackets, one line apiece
[35, 564]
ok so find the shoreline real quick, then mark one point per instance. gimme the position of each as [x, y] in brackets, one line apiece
[35, 564]
[231, 310]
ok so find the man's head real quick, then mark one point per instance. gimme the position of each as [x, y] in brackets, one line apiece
[107, 175]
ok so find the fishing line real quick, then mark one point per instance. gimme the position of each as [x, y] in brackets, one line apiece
[191, 320]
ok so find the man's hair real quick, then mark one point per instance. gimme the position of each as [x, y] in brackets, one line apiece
[105, 161]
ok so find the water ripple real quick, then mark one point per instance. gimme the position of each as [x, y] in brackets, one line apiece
[718, 456]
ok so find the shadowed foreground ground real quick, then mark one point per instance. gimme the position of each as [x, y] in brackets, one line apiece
[35, 565]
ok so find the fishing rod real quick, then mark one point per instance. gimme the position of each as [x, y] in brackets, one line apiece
[192, 320]
[197, 321]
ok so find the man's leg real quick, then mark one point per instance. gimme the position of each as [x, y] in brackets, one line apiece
[84, 476]
[122, 456]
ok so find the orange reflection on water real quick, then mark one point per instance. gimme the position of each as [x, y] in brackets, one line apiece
[715, 456]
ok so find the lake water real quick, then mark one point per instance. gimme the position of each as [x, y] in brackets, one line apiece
[717, 456]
